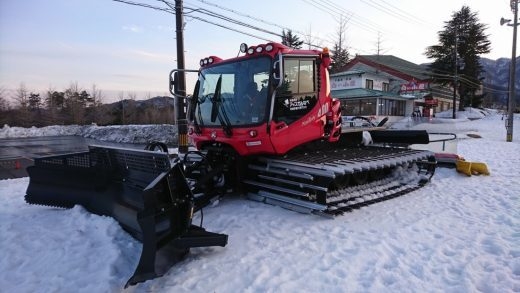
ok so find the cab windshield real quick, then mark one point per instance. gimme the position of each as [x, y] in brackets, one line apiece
[241, 97]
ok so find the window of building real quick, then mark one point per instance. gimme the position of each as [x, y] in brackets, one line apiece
[361, 107]
[369, 84]
[388, 107]
[386, 87]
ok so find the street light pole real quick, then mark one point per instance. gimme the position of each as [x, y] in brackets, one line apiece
[512, 95]
[512, 71]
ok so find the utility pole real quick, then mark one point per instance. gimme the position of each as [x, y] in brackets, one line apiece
[180, 104]
[512, 71]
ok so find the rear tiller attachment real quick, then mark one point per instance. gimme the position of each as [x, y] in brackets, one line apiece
[142, 190]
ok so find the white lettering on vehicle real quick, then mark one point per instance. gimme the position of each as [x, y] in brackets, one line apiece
[324, 109]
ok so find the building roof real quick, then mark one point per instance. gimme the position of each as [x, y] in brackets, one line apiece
[363, 93]
[391, 65]
[350, 72]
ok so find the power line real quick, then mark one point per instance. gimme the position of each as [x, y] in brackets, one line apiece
[259, 20]
[394, 12]
[192, 10]
[337, 11]
[419, 20]
[249, 26]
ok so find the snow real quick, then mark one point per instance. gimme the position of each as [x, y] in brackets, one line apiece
[137, 134]
[457, 234]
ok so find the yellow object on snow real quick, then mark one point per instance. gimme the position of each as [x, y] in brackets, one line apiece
[464, 167]
[472, 168]
[479, 168]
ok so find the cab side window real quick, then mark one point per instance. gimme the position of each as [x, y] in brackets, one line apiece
[298, 93]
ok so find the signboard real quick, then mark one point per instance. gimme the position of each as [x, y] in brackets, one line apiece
[344, 82]
[414, 85]
[431, 102]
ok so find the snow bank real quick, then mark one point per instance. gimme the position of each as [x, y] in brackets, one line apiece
[468, 113]
[138, 134]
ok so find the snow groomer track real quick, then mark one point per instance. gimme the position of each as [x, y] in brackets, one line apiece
[335, 181]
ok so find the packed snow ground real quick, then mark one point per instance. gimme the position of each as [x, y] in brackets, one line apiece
[457, 234]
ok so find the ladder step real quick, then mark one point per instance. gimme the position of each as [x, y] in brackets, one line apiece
[287, 202]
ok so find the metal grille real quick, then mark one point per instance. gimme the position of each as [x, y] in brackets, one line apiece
[144, 161]
[79, 160]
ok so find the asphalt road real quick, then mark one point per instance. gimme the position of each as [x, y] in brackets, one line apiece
[16, 154]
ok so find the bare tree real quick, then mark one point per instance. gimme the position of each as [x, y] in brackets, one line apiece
[50, 104]
[131, 109]
[121, 98]
[6, 114]
[22, 98]
[340, 53]
[96, 101]
[311, 41]
[75, 103]
[4, 105]
[379, 43]
[96, 95]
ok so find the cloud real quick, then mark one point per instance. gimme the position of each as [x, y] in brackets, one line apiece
[163, 28]
[133, 28]
[155, 56]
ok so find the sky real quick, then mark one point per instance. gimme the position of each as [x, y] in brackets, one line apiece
[127, 49]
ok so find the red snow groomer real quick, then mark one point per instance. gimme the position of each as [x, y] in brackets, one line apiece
[264, 125]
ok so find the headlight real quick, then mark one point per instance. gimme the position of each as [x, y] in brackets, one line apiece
[243, 47]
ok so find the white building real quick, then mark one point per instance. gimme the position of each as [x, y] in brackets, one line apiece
[384, 85]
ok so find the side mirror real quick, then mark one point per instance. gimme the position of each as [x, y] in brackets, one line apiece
[173, 82]
[278, 71]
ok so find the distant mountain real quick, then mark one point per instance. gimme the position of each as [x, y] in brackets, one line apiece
[158, 102]
[496, 78]
[155, 110]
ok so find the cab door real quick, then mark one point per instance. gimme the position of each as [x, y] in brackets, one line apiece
[295, 119]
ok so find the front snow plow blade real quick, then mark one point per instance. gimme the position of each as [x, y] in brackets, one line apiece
[142, 190]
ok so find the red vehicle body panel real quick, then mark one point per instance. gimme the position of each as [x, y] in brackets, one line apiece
[321, 122]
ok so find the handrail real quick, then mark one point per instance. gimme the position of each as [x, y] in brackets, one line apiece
[444, 140]
[443, 133]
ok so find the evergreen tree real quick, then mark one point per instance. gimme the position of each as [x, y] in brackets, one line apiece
[55, 100]
[291, 40]
[35, 101]
[467, 35]
[340, 56]
[340, 53]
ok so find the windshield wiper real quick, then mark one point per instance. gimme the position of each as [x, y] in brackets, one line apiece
[195, 103]
[217, 109]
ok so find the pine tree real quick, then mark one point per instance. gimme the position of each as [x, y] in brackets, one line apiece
[467, 35]
[35, 101]
[340, 54]
[291, 40]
